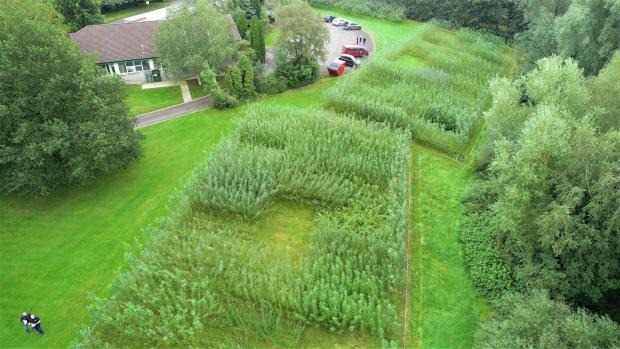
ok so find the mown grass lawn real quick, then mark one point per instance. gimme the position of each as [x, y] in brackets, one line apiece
[195, 90]
[139, 8]
[445, 306]
[146, 100]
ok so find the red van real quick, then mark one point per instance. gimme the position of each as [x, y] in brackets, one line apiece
[356, 51]
[336, 68]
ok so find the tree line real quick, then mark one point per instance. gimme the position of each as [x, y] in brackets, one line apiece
[542, 222]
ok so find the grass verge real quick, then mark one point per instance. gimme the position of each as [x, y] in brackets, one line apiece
[446, 305]
[146, 100]
[194, 89]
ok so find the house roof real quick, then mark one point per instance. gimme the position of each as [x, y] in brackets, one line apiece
[123, 41]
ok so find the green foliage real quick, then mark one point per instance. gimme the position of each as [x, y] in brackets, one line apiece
[554, 179]
[241, 23]
[79, 14]
[63, 120]
[189, 37]
[247, 78]
[256, 6]
[606, 94]
[271, 84]
[233, 83]
[586, 30]
[500, 17]
[354, 172]
[221, 99]
[257, 38]
[302, 34]
[479, 240]
[535, 321]
[392, 10]
[441, 99]
[295, 73]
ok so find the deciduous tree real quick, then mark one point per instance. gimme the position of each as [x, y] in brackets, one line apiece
[536, 321]
[556, 185]
[302, 33]
[79, 13]
[191, 36]
[606, 93]
[62, 119]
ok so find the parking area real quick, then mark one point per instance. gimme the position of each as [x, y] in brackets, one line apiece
[339, 37]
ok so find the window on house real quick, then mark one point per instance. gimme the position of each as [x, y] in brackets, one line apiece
[136, 66]
[122, 68]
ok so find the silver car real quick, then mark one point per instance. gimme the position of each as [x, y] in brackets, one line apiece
[338, 22]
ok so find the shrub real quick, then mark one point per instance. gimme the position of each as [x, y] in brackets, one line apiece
[220, 98]
[271, 84]
[233, 82]
[297, 73]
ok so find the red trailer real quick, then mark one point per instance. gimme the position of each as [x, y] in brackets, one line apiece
[356, 51]
[336, 68]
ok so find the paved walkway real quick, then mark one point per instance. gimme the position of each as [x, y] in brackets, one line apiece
[175, 111]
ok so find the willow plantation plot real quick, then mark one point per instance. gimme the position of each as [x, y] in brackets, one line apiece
[296, 220]
[433, 84]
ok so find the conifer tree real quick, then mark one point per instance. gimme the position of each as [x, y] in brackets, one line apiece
[257, 37]
[247, 77]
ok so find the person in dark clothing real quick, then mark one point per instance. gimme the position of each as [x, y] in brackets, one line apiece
[364, 41]
[357, 40]
[25, 319]
[35, 322]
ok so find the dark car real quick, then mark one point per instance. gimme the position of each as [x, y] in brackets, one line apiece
[328, 19]
[349, 60]
[352, 26]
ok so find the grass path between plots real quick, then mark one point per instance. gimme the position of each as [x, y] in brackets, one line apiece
[446, 306]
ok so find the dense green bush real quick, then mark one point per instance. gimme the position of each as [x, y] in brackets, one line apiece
[271, 84]
[387, 9]
[440, 98]
[221, 99]
[354, 173]
[296, 72]
[535, 321]
[478, 237]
